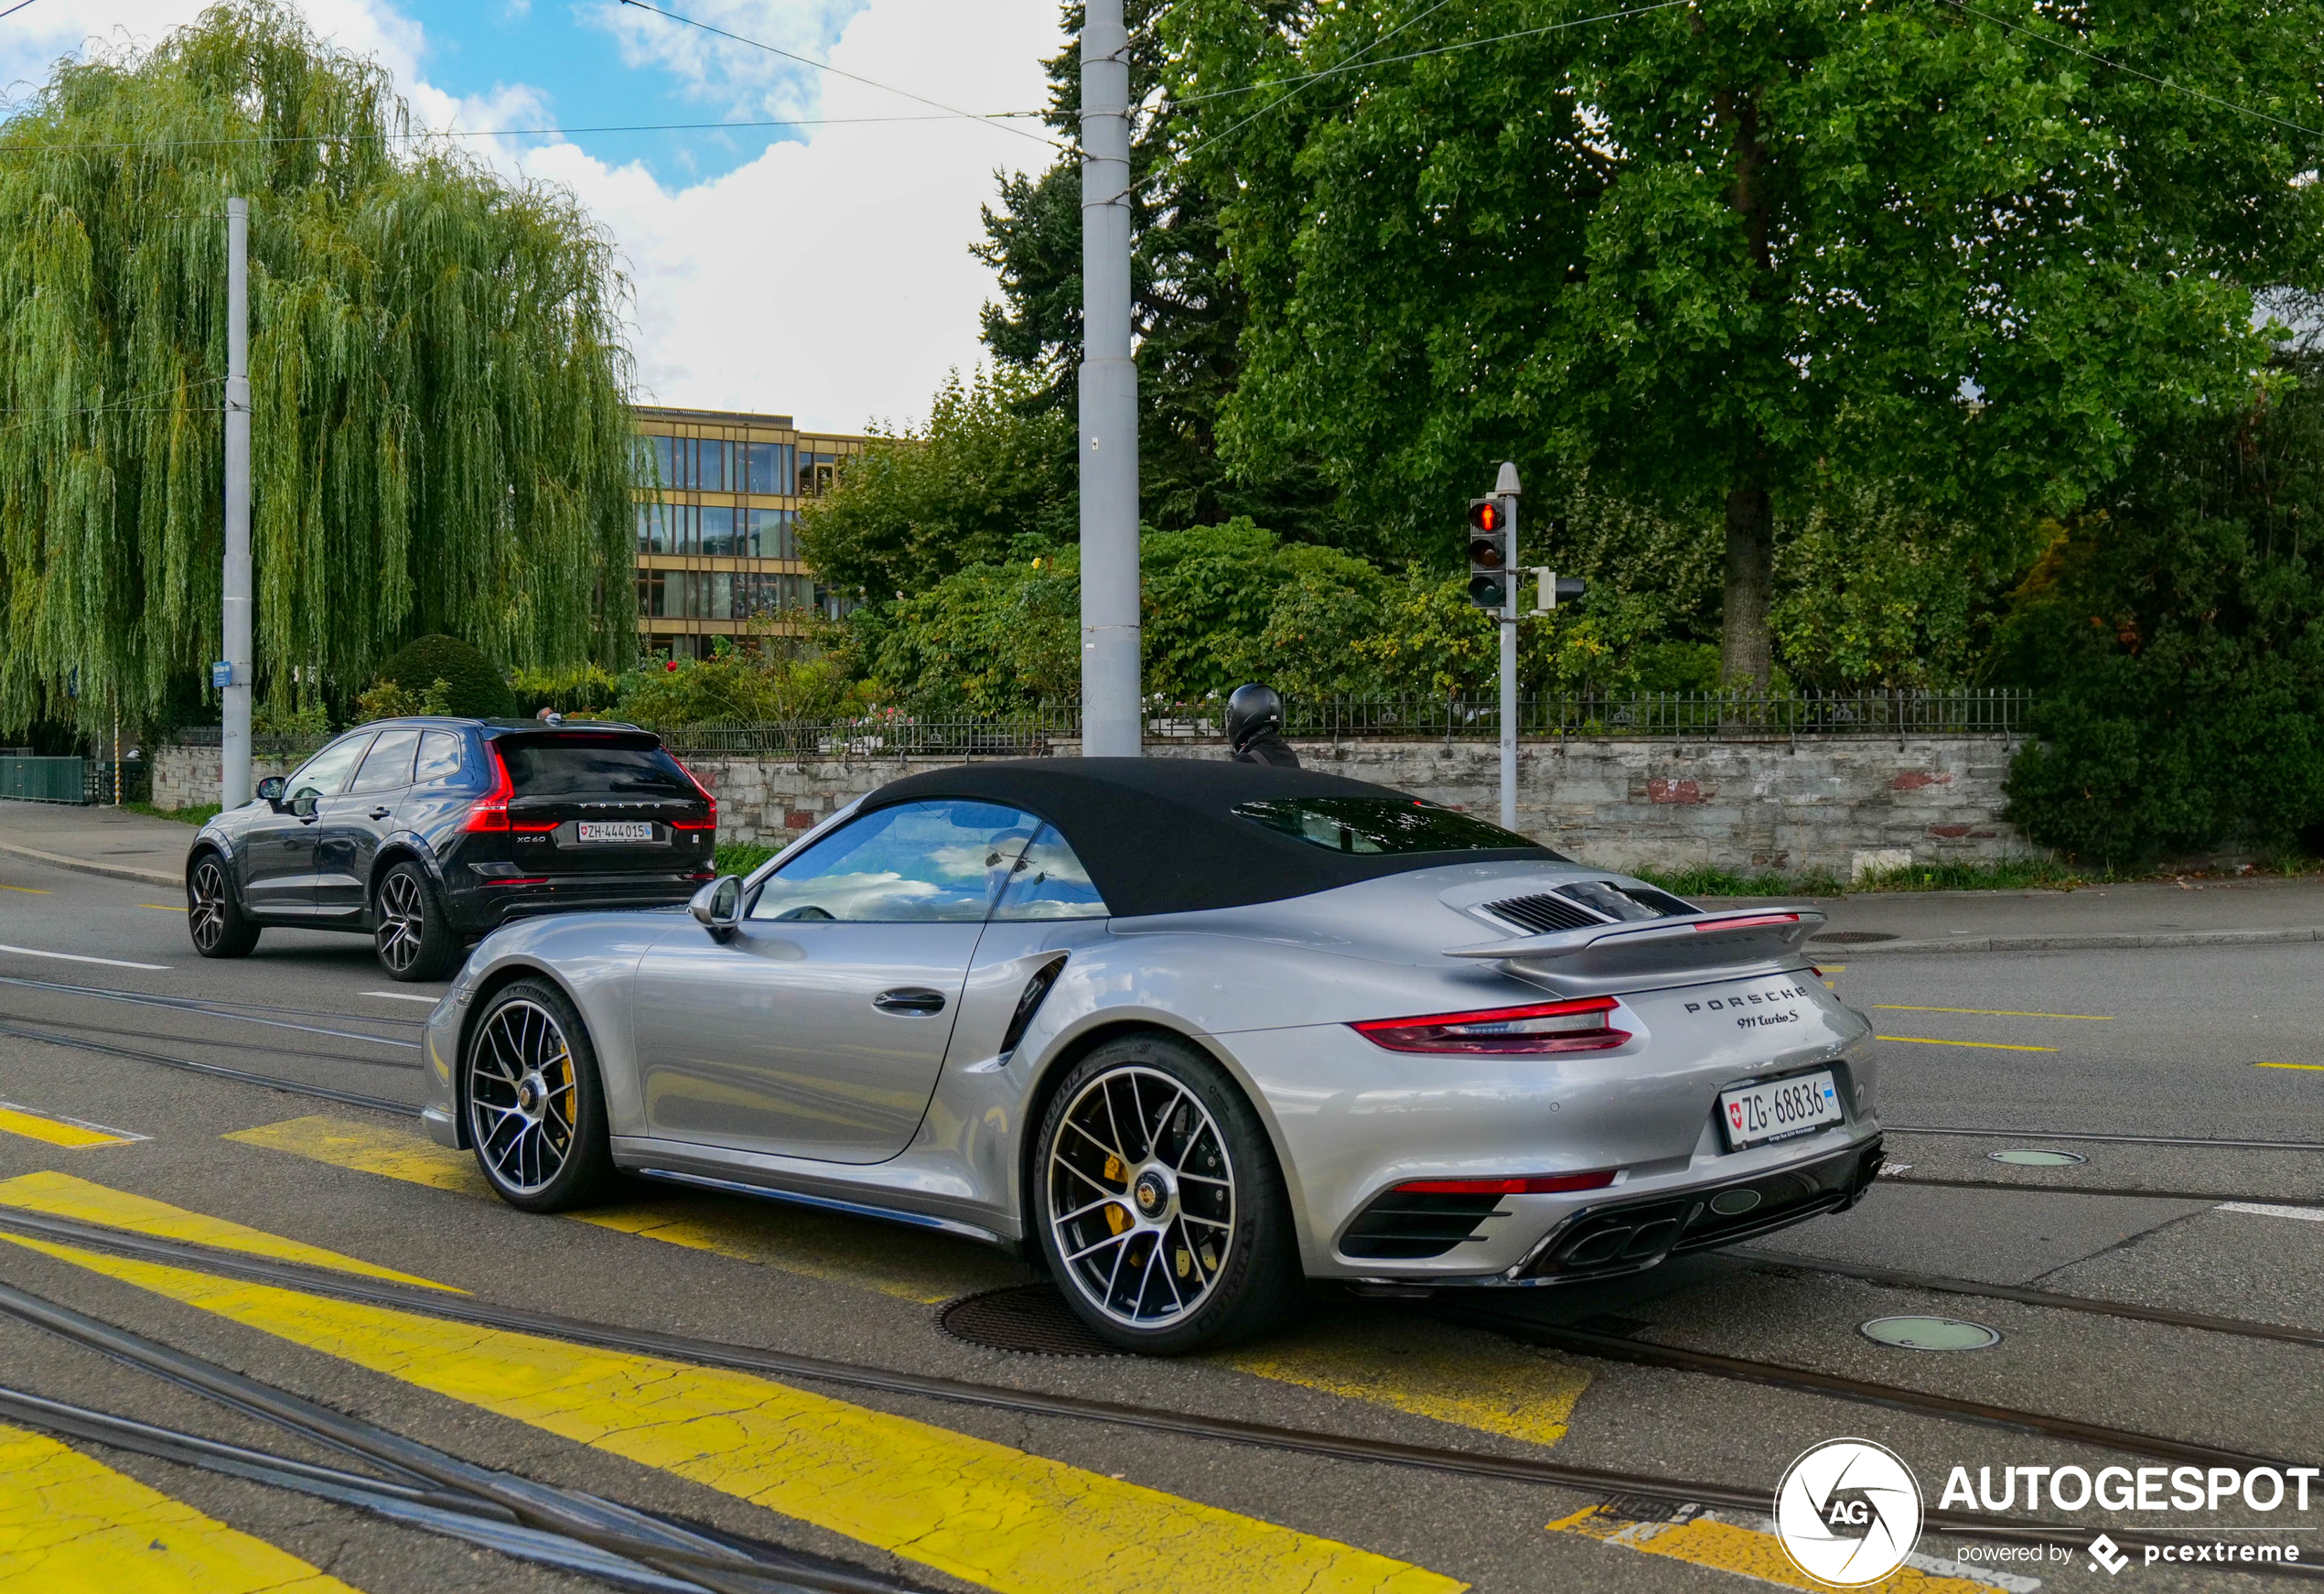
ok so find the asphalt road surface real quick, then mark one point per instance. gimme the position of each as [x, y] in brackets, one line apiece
[443, 1393]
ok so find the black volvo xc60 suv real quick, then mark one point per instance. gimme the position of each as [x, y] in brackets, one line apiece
[426, 833]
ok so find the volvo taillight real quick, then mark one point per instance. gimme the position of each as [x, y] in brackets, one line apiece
[1545, 1027]
[490, 812]
[710, 820]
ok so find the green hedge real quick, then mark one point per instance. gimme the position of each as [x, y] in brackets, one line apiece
[478, 688]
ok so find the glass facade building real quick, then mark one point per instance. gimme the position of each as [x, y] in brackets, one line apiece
[718, 493]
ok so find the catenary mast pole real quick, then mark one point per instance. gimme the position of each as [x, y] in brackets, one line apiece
[235, 751]
[1111, 720]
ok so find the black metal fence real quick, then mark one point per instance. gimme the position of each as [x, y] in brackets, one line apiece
[1626, 717]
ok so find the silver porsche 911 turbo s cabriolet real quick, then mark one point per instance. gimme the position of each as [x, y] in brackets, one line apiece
[1187, 1033]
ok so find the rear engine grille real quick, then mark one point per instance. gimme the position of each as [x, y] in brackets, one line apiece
[1543, 914]
[1403, 1225]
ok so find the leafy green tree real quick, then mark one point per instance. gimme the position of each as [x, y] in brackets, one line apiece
[1714, 250]
[1187, 309]
[2177, 633]
[770, 681]
[915, 506]
[439, 437]
[470, 684]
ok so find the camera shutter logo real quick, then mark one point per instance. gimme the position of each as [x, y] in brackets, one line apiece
[1848, 1512]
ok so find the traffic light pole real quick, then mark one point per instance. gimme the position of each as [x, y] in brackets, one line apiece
[1507, 488]
[1111, 717]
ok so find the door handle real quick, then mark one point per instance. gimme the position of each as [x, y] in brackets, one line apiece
[381, 813]
[910, 1000]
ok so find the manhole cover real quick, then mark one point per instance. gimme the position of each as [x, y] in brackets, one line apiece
[2035, 1159]
[1853, 937]
[1031, 1318]
[1930, 1333]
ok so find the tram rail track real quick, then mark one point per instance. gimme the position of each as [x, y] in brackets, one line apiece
[214, 1070]
[245, 1012]
[1589, 1481]
[2119, 1191]
[260, 1046]
[421, 1476]
[2075, 1135]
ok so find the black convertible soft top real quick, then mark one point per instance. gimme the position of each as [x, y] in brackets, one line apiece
[1161, 835]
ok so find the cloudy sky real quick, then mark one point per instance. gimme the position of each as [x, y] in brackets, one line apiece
[820, 270]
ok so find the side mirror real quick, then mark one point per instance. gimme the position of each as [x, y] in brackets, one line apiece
[270, 791]
[717, 906]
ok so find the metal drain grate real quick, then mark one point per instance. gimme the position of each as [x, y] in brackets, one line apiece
[1852, 937]
[1031, 1319]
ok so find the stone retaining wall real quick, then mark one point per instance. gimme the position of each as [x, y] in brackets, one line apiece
[1834, 805]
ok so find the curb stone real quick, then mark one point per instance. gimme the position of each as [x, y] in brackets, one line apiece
[2161, 938]
[90, 866]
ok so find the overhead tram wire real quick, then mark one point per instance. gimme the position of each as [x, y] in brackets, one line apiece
[997, 120]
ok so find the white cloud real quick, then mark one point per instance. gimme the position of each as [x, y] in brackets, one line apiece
[831, 279]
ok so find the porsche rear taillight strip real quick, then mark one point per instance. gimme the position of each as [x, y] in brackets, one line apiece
[1746, 923]
[1532, 1030]
[1526, 1184]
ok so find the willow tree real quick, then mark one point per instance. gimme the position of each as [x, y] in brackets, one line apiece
[439, 432]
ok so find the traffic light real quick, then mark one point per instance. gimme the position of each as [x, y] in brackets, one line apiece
[1557, 589]
[1489, 572]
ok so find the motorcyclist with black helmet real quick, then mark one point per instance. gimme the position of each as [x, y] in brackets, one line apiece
[1255, 727]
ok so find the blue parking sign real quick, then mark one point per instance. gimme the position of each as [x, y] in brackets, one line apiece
[222, 674]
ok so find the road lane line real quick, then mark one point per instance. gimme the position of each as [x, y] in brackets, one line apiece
[1455, 1375]
[1992, 1012]
[918, 1268]
[1981, 1045]
[986, 1513]
[1432, 1370]
[1705, 1539]
[58, 1130]
[2305, 1214]
[2309, 1066]
[67, 1522]
[27, 891]
[114, 962]
[165, 908]
[402, 997]
[60, 1195]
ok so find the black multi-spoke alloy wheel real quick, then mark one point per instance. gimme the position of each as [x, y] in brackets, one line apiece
[413, 938]
[213, 916]
[1162, 1213]
[535, 1108]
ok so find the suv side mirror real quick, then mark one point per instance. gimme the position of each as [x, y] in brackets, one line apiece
[269, 790]
[717, 906]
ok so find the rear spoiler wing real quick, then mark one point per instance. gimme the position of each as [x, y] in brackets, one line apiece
[1686, 943]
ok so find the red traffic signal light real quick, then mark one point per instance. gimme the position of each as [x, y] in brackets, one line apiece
[1484, 515]
[1489, 552]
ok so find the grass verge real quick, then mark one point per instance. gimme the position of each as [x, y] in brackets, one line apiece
[201, 813]
[739, 857]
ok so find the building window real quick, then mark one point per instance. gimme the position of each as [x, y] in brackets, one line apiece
[653, 528]
[718, 529]
[689, 464]
[816, 473]
[768, 534]
[771, 466]
[652, 594]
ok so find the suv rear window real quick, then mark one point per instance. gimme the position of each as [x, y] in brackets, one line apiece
[579, 766]
[1382, 825]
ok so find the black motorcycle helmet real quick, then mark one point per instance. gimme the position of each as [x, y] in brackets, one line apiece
[1253, 709]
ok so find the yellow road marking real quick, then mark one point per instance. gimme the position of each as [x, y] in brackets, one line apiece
[56, 1131]
[1725, 1547]
[1432, 1370]
[911, 1266]
[1992, 1012]
[164, 907]
[980, 1511]
[62, 1196]
[2317, 1067]
[72, 1525]
[1982, 1045]
[27, 891]
[1453, 1375]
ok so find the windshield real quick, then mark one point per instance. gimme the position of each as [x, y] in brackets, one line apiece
[1382, 825]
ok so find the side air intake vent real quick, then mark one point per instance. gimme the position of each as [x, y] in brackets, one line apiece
[1543, 914]
[1407, 1226]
